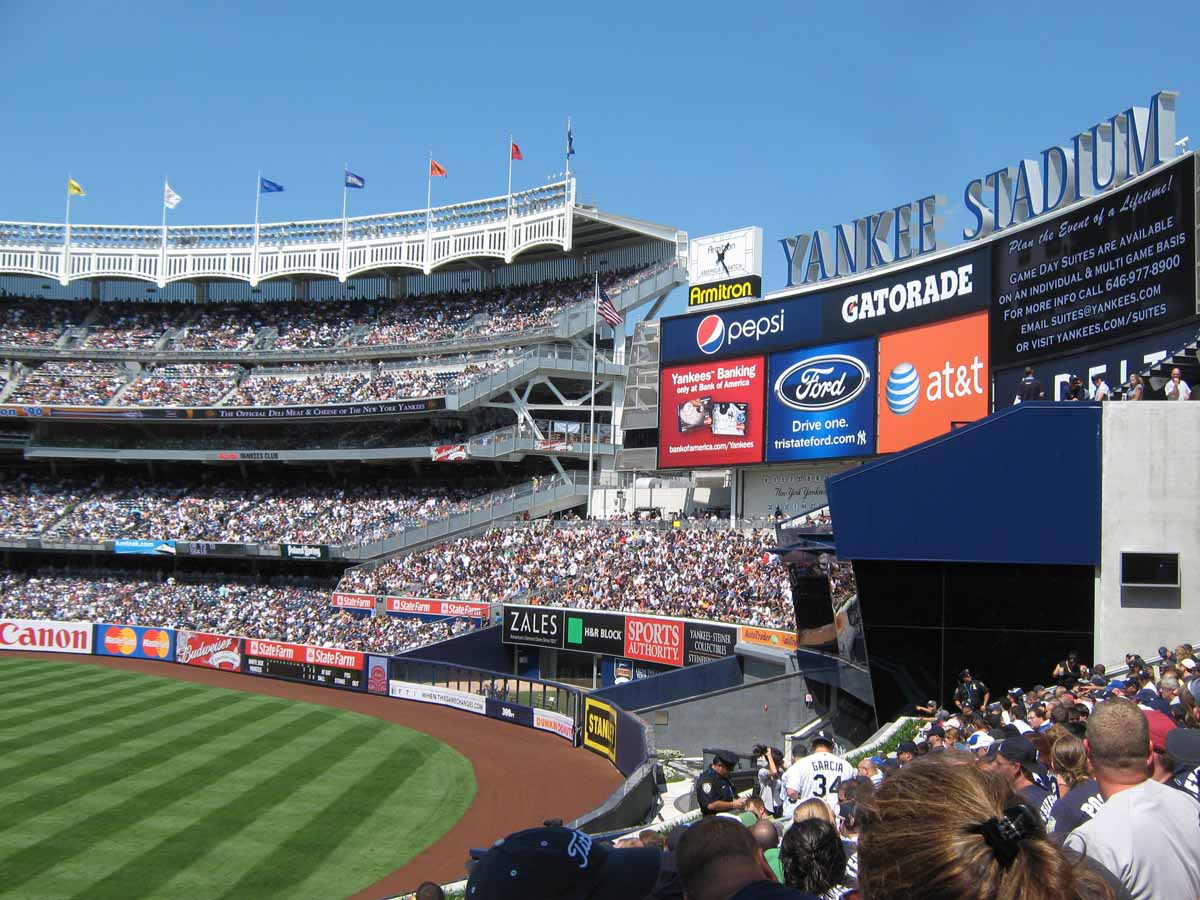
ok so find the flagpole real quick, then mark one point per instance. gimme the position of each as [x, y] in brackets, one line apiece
[162, 259]
[429, 215]
[63, 276]
[509, 237]
[568, 148]
[345, 194]
[592, 419]
[254, 257]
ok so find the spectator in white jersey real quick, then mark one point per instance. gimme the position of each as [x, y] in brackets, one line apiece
[1146, 834]
[816, 776]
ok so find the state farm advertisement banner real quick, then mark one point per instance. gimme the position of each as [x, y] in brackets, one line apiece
[930, 377]
[354, 601]
[449, 453]
[45, 636]
[712, 413]
[654, 640]
[136, 641]
[422, 606]
[216, 651]
[304, 653]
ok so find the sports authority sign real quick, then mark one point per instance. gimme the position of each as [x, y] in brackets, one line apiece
[654, 640]
[215, 651]
[45, 636]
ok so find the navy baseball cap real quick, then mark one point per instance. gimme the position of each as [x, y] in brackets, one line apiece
[562, 864]
[726, 756]
[907, 747]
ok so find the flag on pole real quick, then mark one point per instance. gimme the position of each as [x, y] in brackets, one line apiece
[355, 181]
[516, 151]
[606, 310]
[170, 198]
[570, 142]
[75, 188]
[268, 187]
[435, 169]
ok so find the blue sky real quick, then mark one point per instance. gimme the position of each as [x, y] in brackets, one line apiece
[705, 116]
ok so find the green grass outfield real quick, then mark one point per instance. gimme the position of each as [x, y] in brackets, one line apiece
[117, 784]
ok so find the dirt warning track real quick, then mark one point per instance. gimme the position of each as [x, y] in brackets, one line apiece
[523, 776]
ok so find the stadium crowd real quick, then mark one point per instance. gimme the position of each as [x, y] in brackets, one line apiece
[295, 325]
[1086, 790]
[220, 507]
[282, 611]
[78, 382]
[695, 572]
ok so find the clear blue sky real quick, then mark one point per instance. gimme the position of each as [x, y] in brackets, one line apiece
[705, 116]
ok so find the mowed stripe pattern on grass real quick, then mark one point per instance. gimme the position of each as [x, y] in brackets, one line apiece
[141, 786]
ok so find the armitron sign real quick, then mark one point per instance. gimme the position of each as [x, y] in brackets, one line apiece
[45, 636]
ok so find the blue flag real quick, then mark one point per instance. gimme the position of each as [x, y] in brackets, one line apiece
[268, 187]
[570, 142]
[355, 181]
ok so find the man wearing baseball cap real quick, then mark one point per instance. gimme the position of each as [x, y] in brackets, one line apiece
[562, 864]
[714, 790]
[719, 860]
[1016, 760]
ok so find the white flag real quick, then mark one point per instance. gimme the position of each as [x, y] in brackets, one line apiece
[170, 198]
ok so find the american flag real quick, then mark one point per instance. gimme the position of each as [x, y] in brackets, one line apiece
[606, 310]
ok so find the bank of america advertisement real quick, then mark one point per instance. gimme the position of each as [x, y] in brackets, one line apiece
[821, 402]
[711, 414]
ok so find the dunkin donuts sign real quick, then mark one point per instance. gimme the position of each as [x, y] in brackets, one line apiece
[654, 640]
[216, 651]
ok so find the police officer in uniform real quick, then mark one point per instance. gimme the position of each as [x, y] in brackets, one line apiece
[714, 790]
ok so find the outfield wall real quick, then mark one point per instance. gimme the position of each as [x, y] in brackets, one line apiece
[565, 711]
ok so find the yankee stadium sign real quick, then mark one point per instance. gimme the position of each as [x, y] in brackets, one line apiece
[1095, 161]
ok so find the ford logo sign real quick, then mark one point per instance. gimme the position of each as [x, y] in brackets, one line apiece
[822, 382]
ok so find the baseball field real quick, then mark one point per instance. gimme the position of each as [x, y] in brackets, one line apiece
[123, 784]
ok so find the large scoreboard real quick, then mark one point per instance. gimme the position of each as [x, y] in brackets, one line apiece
[326, 666]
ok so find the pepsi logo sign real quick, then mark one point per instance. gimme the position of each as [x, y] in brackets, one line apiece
[822, 382]
[710, 334]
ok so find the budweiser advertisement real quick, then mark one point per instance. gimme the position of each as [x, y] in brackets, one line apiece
[215, 651]
[354, 601]
[423, 606]
[136, 641]
[449, 453]
[654, 640]
[45, 636]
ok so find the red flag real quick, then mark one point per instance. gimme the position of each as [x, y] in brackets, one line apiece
[435, 169]
[516, 151]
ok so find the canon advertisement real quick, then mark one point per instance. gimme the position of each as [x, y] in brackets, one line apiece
[1115, 268]
[136, 641]
[712, 414]
[45, 636]
[822, 402]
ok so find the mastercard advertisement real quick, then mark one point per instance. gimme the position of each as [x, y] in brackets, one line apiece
[135, 641]
[931, 378]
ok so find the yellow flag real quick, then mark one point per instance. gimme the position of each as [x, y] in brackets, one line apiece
[74, 187]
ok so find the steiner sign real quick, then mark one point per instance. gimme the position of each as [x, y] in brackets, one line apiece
[1120, 266]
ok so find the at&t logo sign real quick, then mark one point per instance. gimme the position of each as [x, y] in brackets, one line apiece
[946, 383]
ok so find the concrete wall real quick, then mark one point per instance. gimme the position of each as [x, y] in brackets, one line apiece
[1150, 502]
[735, 719]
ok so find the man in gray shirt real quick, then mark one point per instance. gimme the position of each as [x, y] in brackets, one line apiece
[1145, 833]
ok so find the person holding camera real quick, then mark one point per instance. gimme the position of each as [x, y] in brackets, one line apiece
[770, 778]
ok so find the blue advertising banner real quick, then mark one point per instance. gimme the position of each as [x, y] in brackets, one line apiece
[740, 331]
[136, 641]
[145, 548]
[821, 402]
[510, 712]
